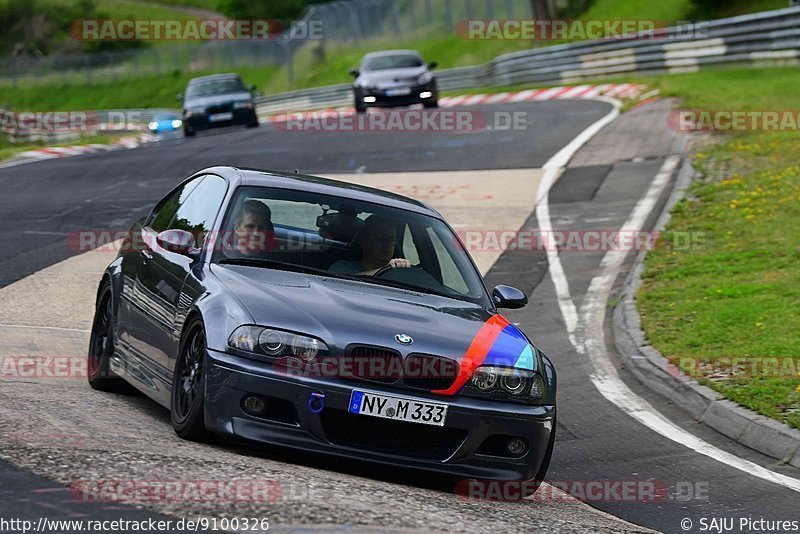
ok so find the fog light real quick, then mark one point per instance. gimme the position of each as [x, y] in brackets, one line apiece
[516, 446]
[254, 405]
[369, 99]
[425, 94]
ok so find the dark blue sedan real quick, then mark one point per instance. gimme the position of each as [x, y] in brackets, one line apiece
[324, 316]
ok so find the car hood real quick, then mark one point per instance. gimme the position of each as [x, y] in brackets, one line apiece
[216, 99]
[390, 75]
[342, 312]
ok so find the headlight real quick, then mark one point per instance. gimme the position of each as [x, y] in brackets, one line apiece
[509, 383]
[152, 126]
[485, 378]
[425, 77]
[272, 342]
[176, 123]
[245, 104]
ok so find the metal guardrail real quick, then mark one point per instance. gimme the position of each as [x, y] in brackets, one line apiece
[770, 36]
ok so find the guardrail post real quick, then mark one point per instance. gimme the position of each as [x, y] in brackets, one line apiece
[354, 23]
[156, 60]
[287, 55]
[448, 14]
[396, 19]
[88, 69]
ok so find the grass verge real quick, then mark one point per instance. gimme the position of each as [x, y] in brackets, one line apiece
[735, 295]
[146, 92]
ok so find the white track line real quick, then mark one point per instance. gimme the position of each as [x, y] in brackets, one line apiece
[607, 380]
[552, 169]
[605, 377]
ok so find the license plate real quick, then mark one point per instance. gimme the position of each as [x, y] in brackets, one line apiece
[217, 117]
[397, 408]
[400, 91]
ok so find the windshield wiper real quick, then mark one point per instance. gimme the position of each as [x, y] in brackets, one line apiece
[282, 266]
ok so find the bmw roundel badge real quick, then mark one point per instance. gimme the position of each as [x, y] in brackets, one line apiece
[403, 339]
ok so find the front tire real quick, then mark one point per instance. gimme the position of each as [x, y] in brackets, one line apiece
[358, 103]
[545, 465]
[101, 345]
[187, 407]
[188, 133]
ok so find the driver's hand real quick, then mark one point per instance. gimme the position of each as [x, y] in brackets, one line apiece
[400, 263]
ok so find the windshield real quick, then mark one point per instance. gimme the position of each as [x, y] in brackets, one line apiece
[399, 61]
[336, 236]
[215, 87]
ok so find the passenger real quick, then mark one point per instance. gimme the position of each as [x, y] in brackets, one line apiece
[377, 240]
[253, 232]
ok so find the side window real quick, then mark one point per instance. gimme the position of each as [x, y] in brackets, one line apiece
[451, 276]
[197, 213]
[165, 211]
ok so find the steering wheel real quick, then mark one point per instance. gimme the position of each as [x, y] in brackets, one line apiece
[386, 268]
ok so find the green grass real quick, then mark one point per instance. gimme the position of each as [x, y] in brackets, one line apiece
[210, 5]
[737, 294]
[149, 92]
[671, 11]
[664, 10]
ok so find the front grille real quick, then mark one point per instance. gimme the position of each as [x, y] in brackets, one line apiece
[376, 364]
[425, 371]
[219, 108]
[412, 440]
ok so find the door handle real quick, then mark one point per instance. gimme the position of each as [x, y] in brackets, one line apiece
[147, 255]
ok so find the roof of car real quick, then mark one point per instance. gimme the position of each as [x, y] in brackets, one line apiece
[210, 77]
[317, 184]
[392, 53]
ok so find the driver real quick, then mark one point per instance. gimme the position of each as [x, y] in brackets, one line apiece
[378, 240]
[253, 232]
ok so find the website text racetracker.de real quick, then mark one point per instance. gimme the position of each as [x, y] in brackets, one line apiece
[224, 524]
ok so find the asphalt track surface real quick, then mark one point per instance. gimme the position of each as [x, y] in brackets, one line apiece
[45, 201]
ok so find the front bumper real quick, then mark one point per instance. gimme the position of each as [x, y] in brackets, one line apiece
[200, 121]
[452, 449]
[413, 97]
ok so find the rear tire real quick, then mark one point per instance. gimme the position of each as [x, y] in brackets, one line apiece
[187, 407]
[101, 345]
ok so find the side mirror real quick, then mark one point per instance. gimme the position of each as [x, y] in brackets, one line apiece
[178, 241]
[509, 297]
[252, 88]
[354, 73]
[179, 98]
[432, 65]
